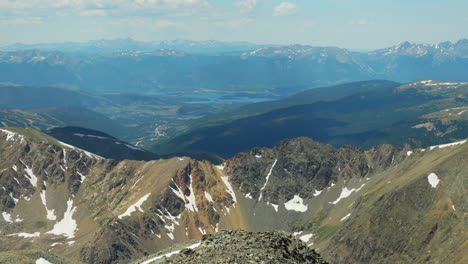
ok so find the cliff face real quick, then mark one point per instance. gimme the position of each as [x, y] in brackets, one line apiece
[348, 203]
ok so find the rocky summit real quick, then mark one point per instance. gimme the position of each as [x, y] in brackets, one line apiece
[237, 246]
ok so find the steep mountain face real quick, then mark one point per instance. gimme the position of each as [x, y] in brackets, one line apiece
[100, 143]
[348, 203]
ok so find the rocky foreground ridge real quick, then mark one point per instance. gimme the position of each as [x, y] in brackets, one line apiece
[384, 205]
[237, 246]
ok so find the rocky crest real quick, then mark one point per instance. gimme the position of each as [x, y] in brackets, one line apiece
[236, 246]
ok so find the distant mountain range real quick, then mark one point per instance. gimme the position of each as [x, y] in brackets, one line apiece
[128, 44]
[269, 71]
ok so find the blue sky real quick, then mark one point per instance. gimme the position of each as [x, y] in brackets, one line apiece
[356, 24]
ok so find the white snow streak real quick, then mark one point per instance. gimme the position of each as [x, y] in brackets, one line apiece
[32, 178]
[87, 153]
[448, 145]
[208, 197]
[230, 190]
[26, 235]
[92, 136]
[345, 217]
[50, 213]
[135, 206]
[192, 203]
[266, 180]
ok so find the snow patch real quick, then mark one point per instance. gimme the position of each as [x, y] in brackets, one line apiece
[306, 238]
[42, 261]
[409, 153]
[248, 196]
[7, 217]
[296, 204]
[67, 226]
[297, 233]
[220, 167]
[168, 254]
[134, 207]
[267, 179]
[317, 193]
[433, 180]
[275, 206]
[258, 156]
[11, 135]
[345, 193]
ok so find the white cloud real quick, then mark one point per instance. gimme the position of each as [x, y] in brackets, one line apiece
[246, 5]
[285, 9]
[98, 7]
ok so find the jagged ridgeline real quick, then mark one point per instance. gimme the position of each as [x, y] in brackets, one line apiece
[383, 205]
